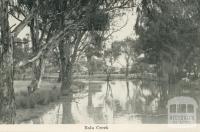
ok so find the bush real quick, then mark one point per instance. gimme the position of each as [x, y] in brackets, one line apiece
[31, 102]
[23, 93]
[39, 97]
[20, 102]
[25, 101]
[42, 97]
[53, 95]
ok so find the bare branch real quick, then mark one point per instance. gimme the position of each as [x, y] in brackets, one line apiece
[46, 48]
[117, 29]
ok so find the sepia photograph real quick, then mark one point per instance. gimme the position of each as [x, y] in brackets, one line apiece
[100, 62]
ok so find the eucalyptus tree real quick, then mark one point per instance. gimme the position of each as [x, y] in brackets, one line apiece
[42, 26]
[51, 22]
[168, 35]
[94, 48]
[94, 16]
[7, 100]
[127, 49]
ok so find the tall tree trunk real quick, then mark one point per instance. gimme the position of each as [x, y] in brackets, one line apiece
[60, 72]
[67, 61]
[62, 49]
[128, 90]
[66, 84]
[172, 82]
[89, 66]
[127, 68]
[163, 96]
[90, 102]
[90, 107]
[7, 98]
[66, 68]
[66, 81]
[162, 78]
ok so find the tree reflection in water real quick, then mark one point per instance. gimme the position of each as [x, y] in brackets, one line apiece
[107, 102]
[37, 121]
[102, 113]
[67, 117]
[129, 102]
[137, 102]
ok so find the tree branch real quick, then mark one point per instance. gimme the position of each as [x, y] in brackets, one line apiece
[21, 26]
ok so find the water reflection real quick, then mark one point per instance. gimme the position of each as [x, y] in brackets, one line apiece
[107, 102]
[67, 117]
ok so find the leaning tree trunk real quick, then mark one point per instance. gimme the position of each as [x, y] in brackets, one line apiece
[37, 66]
[7, 98]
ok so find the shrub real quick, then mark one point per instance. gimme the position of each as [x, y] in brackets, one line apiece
[23, 93]
[31, 101]
[39, 97]
[25, 101]
[20, 102]
[53, 95]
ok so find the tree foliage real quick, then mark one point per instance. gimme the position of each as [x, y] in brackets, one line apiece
[169, 33]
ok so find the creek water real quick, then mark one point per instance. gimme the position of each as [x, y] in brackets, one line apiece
[102, 102]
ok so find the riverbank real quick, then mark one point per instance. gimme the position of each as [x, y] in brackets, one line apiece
[99, 77]
[34, 105]
[25, 115]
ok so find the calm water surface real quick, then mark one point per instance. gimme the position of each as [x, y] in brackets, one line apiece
[100, 102]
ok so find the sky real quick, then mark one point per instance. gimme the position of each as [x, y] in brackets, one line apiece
[127, 31]
[13, 21]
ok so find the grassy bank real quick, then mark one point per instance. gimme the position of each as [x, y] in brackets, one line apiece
[34, 105]
[40, 97]
[54, 76]
[24, 115]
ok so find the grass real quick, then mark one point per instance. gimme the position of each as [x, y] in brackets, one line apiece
[36, 104]
[99, 76]
[22, 85]
[49, 92]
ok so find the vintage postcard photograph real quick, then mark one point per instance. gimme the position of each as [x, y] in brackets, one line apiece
[100, 65]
